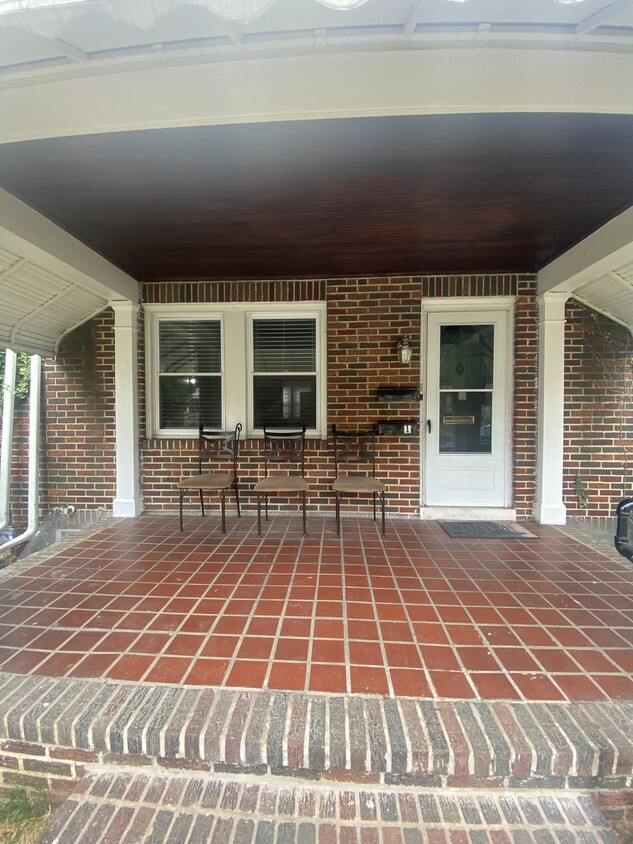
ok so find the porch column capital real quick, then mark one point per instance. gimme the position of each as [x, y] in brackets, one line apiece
[549, 507]
[128, 495]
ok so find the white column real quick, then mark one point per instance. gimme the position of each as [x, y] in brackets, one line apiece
[128, 493]
[549, 509]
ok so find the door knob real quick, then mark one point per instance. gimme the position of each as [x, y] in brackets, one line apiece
[428, 425]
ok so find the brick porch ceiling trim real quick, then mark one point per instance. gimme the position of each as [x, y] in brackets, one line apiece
[54, 726]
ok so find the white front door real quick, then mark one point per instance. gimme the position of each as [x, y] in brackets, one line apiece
[466, 427]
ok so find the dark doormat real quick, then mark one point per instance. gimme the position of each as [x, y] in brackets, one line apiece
[485, 530]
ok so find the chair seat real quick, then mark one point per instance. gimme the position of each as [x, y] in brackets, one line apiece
[207, 481]
[281, 483]
[353, 483]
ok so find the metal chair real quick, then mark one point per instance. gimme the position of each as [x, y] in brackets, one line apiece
[356, 447]
[218, 447]
[282, 445]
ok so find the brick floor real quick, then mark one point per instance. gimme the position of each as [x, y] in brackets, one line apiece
[415, 614]
[140, 807]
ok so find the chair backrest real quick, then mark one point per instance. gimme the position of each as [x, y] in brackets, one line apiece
[218, 446]
[354, 447]
[285, 445]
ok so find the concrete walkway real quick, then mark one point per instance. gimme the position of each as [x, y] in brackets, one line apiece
[115, 807]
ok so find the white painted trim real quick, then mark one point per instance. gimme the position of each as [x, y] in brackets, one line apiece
[603, 251]
[26, 233]
[128, 500]
[549, 508]
[470, 514]
[197, 88]
[236, 317]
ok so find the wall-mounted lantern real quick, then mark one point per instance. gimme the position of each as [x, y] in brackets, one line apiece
[404, 350]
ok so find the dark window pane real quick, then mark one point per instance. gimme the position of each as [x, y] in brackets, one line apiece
[284, 345]
[465, 423]
[284, 400]
[185, 402]
[466, 357]
[190, 346]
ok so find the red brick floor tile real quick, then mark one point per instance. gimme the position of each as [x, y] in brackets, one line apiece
[430, 634]
[220, 646]
[617, 686]
[329, 628]
[296, 627]
[368, 680]
[168, 669]
[438, 657]
[262, 626]
[184, 644]
[255, 647]
[328, 678]
[577, 687]
[605, 638]
[93, 665]
[453, 615]
[463, 635]
[166, 621]
[494, 686]
[499, 635]
[358, 629]
[622, 658]
[20, 637]
[206, 672]
[249, 674]
[288, 649]
[149, 643]
[231, 624]
[365, 653]
[395, 631]
[477, 659]
[402, 655]
[391, 612]
[423, 613]
[84, 640]
[287, 675]
[198, 623]
[58, 664]
[409, 682]
[135, 621]
[515, 659]
[535, 636]
[51, 639]
[130, 667]
[593, 661]
[328, 650]
[451, 685]
[360, 611]
[536, 687]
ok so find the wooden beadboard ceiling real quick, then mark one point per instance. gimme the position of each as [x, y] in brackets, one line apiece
[327, 198]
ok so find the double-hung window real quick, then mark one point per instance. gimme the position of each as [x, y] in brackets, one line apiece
[258, 364]
[284, 370]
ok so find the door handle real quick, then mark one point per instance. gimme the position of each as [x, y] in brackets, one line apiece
[428, 425]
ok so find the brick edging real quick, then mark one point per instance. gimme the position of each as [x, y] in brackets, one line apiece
[403, 741]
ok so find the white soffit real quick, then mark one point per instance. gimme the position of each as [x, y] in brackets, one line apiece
[49, 282]
[598, 271]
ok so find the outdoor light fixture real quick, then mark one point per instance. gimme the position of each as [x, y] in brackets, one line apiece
[404, 350]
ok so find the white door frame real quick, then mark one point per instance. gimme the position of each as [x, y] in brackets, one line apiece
[471, 305]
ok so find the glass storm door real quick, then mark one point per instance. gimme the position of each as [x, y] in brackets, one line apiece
[466, 425]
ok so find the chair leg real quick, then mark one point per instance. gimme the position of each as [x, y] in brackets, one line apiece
[382, 500]
[182, 495]
[202, 502]
[305, 521]
[237, 498]
[266, 503]
[337, 507]
[374, 497]
[223, 510]
[259, 515]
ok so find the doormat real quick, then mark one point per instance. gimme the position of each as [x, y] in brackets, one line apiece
[485, 530]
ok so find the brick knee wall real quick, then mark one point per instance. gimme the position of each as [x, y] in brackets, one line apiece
[30, 765]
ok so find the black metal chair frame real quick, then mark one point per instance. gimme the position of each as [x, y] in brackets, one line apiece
[218, 446]
[282, 445]
[356, 447]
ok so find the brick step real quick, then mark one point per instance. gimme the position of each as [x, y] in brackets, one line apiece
[123, 807]
[51, 727]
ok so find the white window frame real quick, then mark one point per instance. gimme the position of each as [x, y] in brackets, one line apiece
[237, 360]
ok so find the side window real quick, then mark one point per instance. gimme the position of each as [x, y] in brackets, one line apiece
[284, 380]
[189, 377]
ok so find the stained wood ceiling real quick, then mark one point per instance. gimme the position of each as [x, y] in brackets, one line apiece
[329, 198]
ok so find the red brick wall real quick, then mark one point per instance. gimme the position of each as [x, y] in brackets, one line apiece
[78, 449]
[365, 319]
[598, 412]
